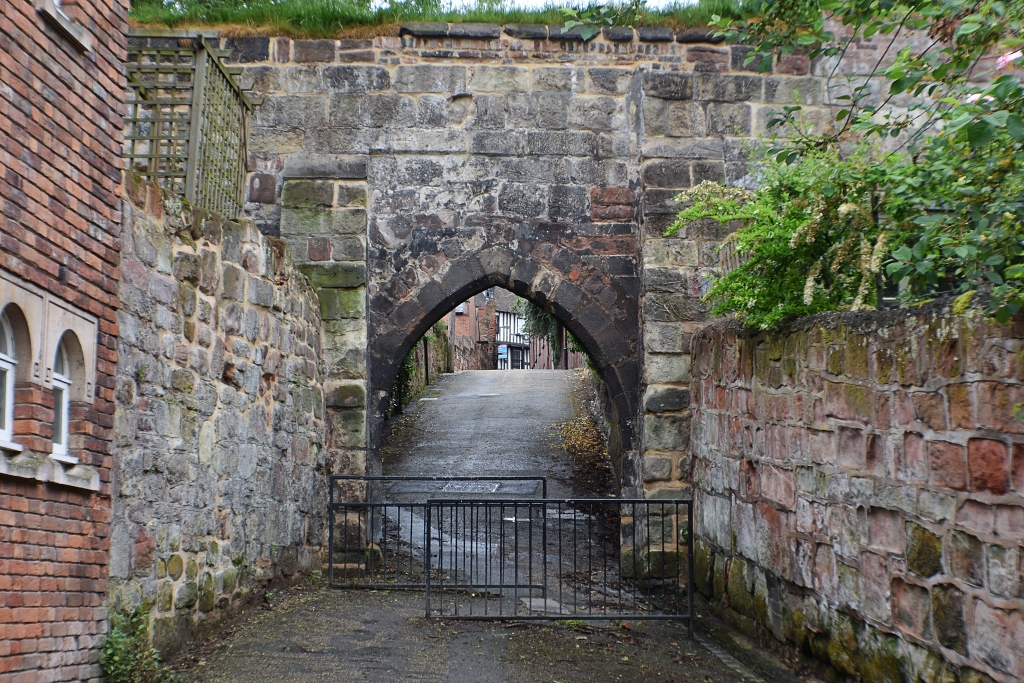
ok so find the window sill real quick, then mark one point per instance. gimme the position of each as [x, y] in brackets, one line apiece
[11, 447]
[60, 21]
[28, 465]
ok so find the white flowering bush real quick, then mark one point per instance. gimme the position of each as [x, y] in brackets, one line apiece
[811, 240]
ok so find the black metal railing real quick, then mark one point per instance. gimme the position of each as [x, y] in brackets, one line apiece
[560, 559]
[377, 533]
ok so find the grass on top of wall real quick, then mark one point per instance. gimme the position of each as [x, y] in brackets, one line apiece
[351, 18]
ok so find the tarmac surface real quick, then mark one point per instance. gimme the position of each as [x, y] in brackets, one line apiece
[471, 423]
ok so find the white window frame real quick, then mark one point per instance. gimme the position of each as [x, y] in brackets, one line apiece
[8, 361]
[62, 382]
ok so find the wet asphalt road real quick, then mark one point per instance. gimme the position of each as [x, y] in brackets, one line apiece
[481, 423]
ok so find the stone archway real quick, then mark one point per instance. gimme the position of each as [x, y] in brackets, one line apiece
[422, 273]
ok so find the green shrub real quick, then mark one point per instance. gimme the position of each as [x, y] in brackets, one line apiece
[810, 242]
[128, 656]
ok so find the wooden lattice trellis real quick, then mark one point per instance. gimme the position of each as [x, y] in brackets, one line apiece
[186, 121]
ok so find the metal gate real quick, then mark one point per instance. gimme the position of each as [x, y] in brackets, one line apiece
[518, 558]
[377, 533]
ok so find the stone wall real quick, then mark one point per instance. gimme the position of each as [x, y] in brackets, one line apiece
[221, 465]
[860, 490]
[464, 157]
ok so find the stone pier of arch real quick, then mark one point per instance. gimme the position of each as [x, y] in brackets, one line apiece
[408, 173]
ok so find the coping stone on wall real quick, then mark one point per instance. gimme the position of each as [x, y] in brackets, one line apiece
[656, 35]
[424, 29]
[619, 34]
[699, 35]
[529, 31]
[474, 31]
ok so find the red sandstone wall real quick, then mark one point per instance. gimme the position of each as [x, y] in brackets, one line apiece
[860, 490]
[60, 148]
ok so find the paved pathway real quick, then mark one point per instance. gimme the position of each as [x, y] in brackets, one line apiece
[483, 422]
[477, 423]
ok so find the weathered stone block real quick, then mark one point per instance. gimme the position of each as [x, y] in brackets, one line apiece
[323, 222]
[356, 79]
[728, 119]
[666, 432]
[345, 395]
[782, 90]
[998, 638]
[471, 30]
[948, 621]
[307, 194]
[334, 166]
[657, 468]
[668, 85]
[527, 31]
[424, 29]
[500, 79]
[667, 368]
[728, 87]
[430, 78]
[966, 558]
[948, 465]
[912, 606]
[659, 399]
[673, 308]
[988, 463]
[335, 275]
[665, 338]
[924, 551]
[186, 596]
[336, 304]
[234, 283]
[348, 428]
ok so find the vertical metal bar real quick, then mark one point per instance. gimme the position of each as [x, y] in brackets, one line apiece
[636, 569]
[426, 555]
[590, 565]
[544, 547]
[501, 561]
[330, 532]
[515, 557]
[689, 579]
[561, 598]
[575, 545]
[195, 124]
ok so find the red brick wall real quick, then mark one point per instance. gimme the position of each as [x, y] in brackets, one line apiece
[860, 490]
[60, 149]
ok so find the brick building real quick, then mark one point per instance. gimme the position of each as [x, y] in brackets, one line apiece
[61, 91]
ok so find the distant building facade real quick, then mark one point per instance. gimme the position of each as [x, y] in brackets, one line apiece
[486, 333]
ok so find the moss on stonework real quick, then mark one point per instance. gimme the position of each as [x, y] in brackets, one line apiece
[740, 598]
[924, 551]
[175, 567]
[718, 582]
[702, 566]
[881, 661]
[842, 646]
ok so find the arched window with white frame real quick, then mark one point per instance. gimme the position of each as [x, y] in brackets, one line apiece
[61, 404]
[8, 360]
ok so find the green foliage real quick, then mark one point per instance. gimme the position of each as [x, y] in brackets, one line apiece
[329, 18]
[811, 240]
[957, 206]
[941, 76]
[540, 325]
[128, 656]
[591, 19]
[398, 398]
[939, 205]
